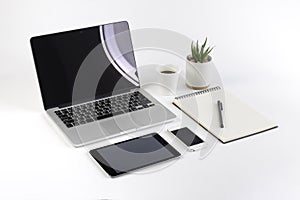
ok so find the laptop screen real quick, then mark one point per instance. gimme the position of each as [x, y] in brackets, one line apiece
[85, 64]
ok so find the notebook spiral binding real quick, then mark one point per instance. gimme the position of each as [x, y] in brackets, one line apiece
[199, 92]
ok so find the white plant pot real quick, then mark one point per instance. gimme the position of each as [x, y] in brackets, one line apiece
[198, 74]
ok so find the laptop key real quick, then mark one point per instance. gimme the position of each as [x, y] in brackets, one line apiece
[82, 122]
[70, 125]
[104, 116]
[89, 120]
[118, 113]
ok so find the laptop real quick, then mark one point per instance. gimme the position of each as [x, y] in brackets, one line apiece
[89, 84]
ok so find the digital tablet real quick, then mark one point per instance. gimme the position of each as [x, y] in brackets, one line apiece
[133, 154]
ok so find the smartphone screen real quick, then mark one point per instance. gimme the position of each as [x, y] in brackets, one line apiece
[187, 136]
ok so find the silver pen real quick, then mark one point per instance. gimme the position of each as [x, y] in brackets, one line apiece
[221, 113]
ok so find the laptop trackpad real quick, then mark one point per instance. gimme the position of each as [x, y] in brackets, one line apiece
[106, 128]
[118, 124]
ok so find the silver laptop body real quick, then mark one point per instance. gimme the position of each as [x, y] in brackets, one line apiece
[68, 66]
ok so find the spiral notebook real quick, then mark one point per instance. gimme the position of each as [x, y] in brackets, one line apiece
[240, 120]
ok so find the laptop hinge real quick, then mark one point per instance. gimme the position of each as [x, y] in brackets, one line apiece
[64, 105]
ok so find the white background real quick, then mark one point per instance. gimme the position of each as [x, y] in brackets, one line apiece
[257, 54]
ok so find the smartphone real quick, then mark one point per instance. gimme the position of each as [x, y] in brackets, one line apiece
[188, 138]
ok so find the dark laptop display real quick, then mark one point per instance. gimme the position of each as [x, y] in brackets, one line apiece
[81, 65]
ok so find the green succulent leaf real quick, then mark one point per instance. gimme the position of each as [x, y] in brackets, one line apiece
[200, 55]
[204, 44]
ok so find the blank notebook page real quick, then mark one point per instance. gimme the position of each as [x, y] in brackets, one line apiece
[239, 118]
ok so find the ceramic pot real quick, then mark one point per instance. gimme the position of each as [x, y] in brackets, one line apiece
[198, 74]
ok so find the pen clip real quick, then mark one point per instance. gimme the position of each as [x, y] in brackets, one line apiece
[220, 105]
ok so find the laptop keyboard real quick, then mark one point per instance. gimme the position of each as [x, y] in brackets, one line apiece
[103, 108]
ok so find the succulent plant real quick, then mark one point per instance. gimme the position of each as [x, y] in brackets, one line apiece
[200, 54]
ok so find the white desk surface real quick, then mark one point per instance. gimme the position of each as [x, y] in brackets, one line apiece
[257, 54]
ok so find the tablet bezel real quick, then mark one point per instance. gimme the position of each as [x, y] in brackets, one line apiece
[113, 173]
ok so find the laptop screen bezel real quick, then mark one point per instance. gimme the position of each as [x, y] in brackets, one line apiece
[65, 104]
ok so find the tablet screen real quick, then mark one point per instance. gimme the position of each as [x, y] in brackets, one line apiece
[133, 154]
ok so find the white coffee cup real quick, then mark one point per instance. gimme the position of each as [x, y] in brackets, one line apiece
[168, 77]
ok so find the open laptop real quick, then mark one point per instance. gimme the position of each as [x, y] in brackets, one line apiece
[89, 83]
